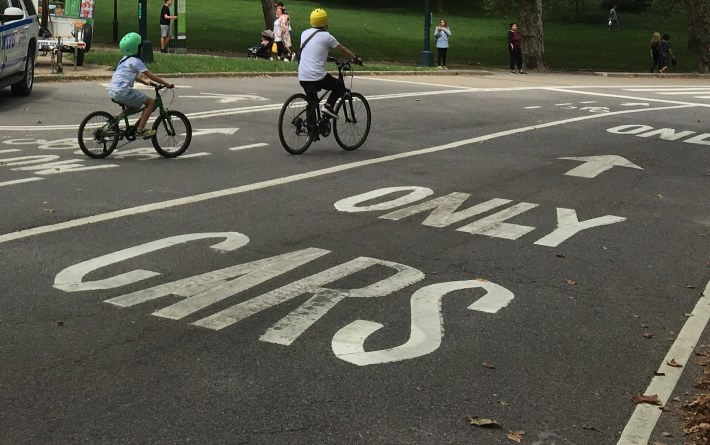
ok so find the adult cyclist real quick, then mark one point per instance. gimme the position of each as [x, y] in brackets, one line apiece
[315, 44]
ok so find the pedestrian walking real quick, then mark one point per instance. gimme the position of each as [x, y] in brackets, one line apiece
[613, 19]
[665, 53]
[165, 20]
[655, 40]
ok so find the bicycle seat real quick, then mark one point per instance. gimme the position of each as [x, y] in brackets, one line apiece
[124, 106]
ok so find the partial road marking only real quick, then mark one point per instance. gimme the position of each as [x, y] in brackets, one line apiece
[645, 416]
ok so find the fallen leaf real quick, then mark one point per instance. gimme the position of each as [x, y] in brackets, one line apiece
[674, 363]
[488, 365]
[559, 255]
[516, 436]
[48, 210]
[659, 374]
[486, 423]
[659, 196]
[647, 335]
[689, 286]
[688, 314]
[504, 403]
[652, 399]
[570, 281]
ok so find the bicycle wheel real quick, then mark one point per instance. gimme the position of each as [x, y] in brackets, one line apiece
[293, 124]
[353, 126]
[98, 134]
[173, 134]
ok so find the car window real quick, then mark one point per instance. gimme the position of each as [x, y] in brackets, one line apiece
[16, 3]
[30, 7]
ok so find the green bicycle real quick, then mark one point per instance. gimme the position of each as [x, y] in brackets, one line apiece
[100, 131]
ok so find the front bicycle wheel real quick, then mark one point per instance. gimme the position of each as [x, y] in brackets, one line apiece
[353, 126]
[173, 134]
[98, 134]
[295, 132]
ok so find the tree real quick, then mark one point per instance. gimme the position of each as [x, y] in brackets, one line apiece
[530, 28]
[698, 12]
[269, 13]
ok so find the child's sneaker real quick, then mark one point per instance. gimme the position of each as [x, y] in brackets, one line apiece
[328, 111]
[145, 133]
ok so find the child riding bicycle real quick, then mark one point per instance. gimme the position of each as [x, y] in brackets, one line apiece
[315, 43]
[121, 87]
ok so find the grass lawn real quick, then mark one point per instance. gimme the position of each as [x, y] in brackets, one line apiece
[383, 37]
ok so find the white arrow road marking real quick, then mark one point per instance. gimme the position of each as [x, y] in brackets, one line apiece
[595, 165]
[206, 131]
[244, 147]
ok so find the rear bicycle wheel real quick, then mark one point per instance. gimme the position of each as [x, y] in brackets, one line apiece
[353, 125]
[295, 132]
[173, 134]
[98, 134]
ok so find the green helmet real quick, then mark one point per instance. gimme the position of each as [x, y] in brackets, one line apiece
[131, 44]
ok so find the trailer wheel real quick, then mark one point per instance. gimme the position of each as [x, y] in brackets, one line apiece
[88, 35]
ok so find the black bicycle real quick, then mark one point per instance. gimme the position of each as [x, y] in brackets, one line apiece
[301, 122]
[100, 131]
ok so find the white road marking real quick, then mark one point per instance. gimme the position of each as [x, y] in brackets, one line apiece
[20, 181]
[244, 147]
[639, 428]
[303, 176]
[595, 165]
[532, 108]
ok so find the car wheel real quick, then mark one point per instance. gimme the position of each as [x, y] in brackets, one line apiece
[24, 86]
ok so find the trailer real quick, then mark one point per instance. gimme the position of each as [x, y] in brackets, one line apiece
[66, 26]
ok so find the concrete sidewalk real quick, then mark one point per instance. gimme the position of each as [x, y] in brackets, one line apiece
[43, 73]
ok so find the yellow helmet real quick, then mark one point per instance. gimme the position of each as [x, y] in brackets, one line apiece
[319, 18]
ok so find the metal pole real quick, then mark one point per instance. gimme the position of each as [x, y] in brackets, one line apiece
[426, 57]
[147, 51]
[115, 21]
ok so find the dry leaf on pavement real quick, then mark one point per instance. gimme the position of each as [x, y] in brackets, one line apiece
[488, 423]
[650, 399]
[570, 281]
[488, 365]
[516, 436]
[674, 363]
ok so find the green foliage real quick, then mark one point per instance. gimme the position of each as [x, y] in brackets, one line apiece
[395, 34]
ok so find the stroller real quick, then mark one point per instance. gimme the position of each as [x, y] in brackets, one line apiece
[263, 49]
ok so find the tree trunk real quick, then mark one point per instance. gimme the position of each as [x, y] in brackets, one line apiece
[269, 13]
[698, 12]
[530, 28]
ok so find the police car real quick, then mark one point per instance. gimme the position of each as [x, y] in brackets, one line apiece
[19, 29]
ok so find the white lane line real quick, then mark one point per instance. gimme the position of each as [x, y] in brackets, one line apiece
[645, 416]
[533, 107]
[244, 147]
[654, 90]
[619, 96]
[302, 176]
[20, 181]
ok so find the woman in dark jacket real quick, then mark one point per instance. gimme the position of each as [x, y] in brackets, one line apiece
[515, 48]
[655, 40]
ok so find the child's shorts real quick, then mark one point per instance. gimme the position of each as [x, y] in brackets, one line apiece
[131, 98]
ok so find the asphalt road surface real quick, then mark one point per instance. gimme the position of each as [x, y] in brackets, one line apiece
[527, 249]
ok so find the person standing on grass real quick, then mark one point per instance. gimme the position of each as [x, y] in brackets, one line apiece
[165, 19]
[442, 34]
[315, 44]
[655, 40]
[515, 49]
[285, 30]
[613, 19]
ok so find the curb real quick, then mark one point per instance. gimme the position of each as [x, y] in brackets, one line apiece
[63, 77]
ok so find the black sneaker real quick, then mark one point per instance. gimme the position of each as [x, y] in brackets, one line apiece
[328, 111]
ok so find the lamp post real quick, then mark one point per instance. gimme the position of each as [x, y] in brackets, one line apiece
[115, 21]
[147, 50]
[426, 57]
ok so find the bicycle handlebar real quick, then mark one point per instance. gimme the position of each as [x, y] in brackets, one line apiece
[345, 63]
[157, 86]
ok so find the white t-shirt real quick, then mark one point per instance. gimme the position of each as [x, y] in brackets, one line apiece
[277, 31]
[126, 73]
[311, 66]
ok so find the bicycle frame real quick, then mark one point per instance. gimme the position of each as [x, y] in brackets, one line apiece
[130, 130]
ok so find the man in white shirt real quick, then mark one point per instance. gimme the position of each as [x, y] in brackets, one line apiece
[315, 44]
